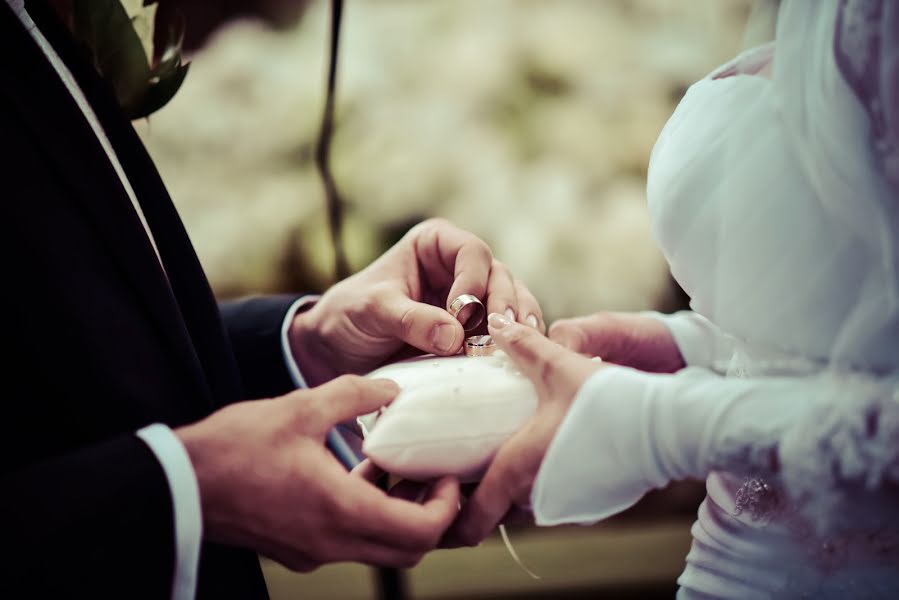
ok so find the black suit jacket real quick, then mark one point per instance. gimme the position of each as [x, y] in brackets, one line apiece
[100, 344]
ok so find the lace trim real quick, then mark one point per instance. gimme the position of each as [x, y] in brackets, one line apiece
[837, 468]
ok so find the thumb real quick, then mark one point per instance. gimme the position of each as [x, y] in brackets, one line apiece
[428, 328]
[349, 396]
[533, 353]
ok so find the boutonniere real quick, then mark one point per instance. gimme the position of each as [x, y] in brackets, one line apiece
[119, 36]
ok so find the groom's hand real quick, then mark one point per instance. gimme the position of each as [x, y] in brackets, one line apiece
[401, 299]
[268, 483]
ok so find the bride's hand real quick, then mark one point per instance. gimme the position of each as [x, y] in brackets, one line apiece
[558, 374]
[628, 339]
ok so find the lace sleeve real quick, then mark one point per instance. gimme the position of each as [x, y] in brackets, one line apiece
[824, 440]
[842, 451]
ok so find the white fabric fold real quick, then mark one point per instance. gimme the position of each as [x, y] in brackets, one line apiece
[296, 375]
[628, 432]
[188, 517]
[701, 342]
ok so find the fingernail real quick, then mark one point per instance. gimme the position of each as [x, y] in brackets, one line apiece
[532, 321]
[510, 314]
[497, 321]
[444, 337]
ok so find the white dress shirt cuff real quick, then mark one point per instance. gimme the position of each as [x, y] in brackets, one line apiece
[188, 518]
[292, 367]
[335, 440]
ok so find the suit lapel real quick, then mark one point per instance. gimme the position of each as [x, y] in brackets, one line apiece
[194, 297]
[73, 151]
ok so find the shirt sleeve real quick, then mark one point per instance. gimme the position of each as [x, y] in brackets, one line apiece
[628, 431]
[335, 438]
[701, 342]
[296, 375]
[179, 472]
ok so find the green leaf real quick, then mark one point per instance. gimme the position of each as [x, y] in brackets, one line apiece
[118, 53]
[170, 58]
[158, 93]
[143, 21]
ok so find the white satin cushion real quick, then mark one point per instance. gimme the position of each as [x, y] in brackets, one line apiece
[450, 417]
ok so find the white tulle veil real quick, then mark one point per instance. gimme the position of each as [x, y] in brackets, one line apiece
[804, 167]
[833, 130]
[774, 190]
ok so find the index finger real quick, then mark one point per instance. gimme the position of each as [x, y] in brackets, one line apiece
[472, 270]
[450, 254]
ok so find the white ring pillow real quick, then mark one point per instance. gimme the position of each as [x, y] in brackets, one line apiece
[451, 416]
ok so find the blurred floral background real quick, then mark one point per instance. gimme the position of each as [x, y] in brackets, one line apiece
[528, 122]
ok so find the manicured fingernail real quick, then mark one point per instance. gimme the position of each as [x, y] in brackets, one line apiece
[510, 314]
[532, 321]
[444, 337]
[497, 321]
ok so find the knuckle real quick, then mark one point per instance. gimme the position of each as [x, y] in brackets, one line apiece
[430, 229]
[521, 342]
[436, 223]
[481, 249]
[372, 302]
[407, 320]
[518, 337]
[363, 307]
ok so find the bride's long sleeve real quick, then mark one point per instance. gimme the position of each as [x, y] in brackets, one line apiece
[628, 432]
[701, 342]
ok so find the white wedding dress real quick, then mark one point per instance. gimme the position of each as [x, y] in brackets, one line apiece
[777, 215]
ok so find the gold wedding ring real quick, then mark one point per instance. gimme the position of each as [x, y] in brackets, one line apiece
[479, 345]
[468, 310]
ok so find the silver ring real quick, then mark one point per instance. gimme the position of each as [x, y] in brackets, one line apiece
[475, 316]
[479, 345]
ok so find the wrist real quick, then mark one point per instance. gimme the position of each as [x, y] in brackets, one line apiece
[667, 356]
[310, 348]
[210, 456]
